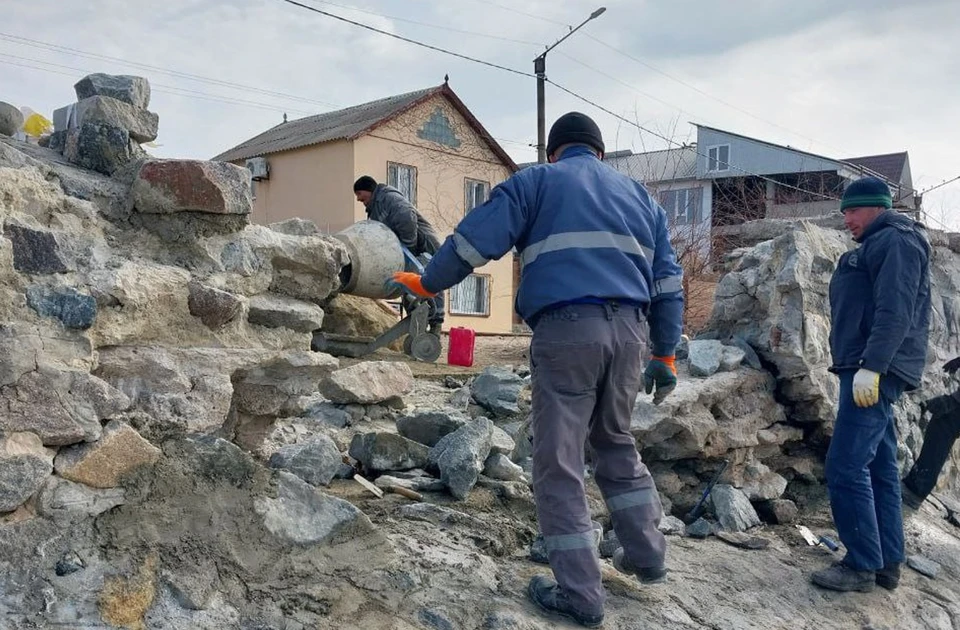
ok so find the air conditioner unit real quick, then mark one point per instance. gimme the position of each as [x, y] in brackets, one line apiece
[259, 168]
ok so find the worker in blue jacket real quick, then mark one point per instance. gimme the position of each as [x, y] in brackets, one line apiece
[880, 317]
[597, 267]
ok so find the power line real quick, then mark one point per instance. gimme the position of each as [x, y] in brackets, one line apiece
[24, 41]
[164, 89]
[519, 12]
[428, 25]
[408, 40]
[941, 185]
[681, 145]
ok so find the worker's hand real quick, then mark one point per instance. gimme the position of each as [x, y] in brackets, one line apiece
[952, 366]
[661, 373]
[411, 282]
[866, 388]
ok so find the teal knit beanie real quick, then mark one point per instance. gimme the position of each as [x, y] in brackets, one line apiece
[868, 192]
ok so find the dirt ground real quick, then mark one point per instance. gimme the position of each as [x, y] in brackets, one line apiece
[488, 350]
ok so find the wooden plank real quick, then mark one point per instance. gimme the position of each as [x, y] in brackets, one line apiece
[377, 492]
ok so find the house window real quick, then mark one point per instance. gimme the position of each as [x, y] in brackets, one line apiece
[438, 129]
[475, 193]
[683, 206]
[471, 297]
[718, 158]
[404, 179]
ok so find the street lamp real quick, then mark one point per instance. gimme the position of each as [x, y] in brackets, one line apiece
[540, 68]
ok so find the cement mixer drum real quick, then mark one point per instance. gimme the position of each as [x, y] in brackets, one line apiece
[375, 255]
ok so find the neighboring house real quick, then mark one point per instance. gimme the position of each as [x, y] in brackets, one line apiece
[425, 143]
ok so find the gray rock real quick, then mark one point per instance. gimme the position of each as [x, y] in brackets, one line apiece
[705, 355]
[750, 355]
[923, 566]
[388, 451]
[302, 515]
[682, 351]
[609, 544]
[218, 460]
[460, 456]
[214, 307]
[733, 509]
[436, 619]
[672, 526]
[72, 308]
[498, 391]
[461, 398]
[316, 460]
[328, 414]
[140, 123]
[57, 141]
[174, 186]
[274, 387]
[368, 383]
[63, 500]
[762, 484]
[35, 250]
[129, 89]
[61, 117]
[501, 442]
[24, 466]
[296, 227]
[346, 471]
[100, 148]
[499, 466]
[701, 528]
[70, 562]
[452, 383]
[428, 427]
[777, 512]
[731, 358]
[73, 416]
[11, 119]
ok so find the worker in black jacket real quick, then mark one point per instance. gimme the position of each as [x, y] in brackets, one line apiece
[387, 205]
[938, 439]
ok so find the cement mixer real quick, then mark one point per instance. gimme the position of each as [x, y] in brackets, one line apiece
[375, 255]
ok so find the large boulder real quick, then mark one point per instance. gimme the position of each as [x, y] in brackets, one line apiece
[733, 509]
[25, 465]
[315, 460]
[705, 357]
[368, 383]
[11, 119]
[171, 186]
[430, 426]
[275, 385]
[129, 89]
[141, 124]
[99, 147]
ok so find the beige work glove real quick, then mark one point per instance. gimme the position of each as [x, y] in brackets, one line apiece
[866, 388]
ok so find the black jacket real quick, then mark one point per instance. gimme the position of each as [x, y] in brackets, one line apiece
[390, 207]
[880, 301]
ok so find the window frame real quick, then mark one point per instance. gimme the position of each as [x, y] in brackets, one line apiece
[468, 182]
[415, 177]
[718, 165]
[488, 281]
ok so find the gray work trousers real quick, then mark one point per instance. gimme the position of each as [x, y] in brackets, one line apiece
[586, 362]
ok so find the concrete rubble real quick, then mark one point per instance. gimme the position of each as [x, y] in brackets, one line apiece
[172, 454]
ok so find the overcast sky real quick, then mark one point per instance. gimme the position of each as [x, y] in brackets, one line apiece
[875, 76]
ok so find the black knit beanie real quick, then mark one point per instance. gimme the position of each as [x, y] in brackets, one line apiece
[365, 183]
[574, 128]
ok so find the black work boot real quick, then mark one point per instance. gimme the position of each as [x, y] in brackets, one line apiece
[840, 577]
[889, 576]
[646, 575]
[548, 595]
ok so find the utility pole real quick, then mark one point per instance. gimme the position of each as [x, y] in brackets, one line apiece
[540, 69]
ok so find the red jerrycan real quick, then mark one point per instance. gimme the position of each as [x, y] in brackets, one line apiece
[460, 350]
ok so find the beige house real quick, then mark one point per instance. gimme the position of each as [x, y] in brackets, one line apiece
[427, 144]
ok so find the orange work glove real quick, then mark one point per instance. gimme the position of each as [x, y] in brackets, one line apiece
[411, 282]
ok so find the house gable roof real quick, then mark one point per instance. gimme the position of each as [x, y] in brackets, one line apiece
[351, 123]
[890, 165]
[656, 166]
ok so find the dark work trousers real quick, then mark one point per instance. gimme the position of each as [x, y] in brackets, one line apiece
[863, 478]
[938, 439]
[586, 362]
